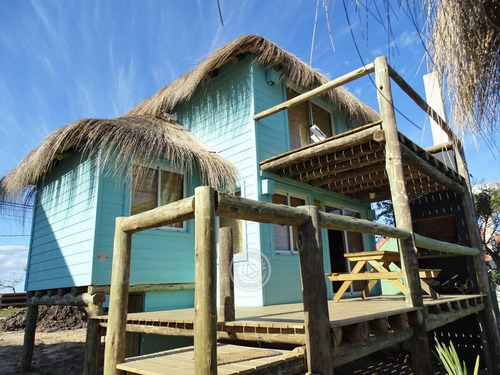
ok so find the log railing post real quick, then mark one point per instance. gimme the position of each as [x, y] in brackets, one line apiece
[316, 317]
[92, 340]
[29, 337]
[114, 352]
[205, 295]
[487, 316]
[226, 284]
[402, 214]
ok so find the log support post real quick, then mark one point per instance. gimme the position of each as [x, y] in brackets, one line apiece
[205, 294]
[29, 337]
[487, 320]
[92, 340]
[226, 284]
[316, 317]
[118, 301]
[394, 166]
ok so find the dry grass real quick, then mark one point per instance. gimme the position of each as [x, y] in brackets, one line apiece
[114, 144]
[267, 54]
[464, 47]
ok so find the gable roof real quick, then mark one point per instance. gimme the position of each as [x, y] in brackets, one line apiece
[267, 54]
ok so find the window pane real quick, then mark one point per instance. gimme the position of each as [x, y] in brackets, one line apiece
[171, 190]
[298, 122]
[321, 119]
[296, 202]
[144, 189]
[281, 232]
[333, 210]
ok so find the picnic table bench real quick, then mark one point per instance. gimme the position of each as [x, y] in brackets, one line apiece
[380, 262]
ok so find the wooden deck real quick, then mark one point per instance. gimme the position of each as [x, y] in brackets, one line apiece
[231, 360]
[359, 327]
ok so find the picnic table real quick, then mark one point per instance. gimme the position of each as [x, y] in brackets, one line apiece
[380, 262]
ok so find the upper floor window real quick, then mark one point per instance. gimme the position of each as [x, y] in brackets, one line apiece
[154, 187]
[285, 237]
[300, 119]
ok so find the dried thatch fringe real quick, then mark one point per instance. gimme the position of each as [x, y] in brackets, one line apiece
[117, 142]
[267, 54]
[465, 51]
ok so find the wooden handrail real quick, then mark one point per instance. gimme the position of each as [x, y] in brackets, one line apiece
[320, 90]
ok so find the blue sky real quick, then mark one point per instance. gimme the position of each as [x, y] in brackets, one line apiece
[61, 61]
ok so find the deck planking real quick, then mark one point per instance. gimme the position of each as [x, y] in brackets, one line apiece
[181, 361]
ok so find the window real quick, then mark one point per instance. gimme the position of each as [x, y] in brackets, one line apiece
[285, 237]
[301, 117]
[154, 187]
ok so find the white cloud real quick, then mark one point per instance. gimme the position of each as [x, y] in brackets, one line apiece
[13, 248]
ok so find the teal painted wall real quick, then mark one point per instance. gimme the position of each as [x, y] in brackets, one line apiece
[220, 114]
[159, 255]
[63, 227]
[272, 138]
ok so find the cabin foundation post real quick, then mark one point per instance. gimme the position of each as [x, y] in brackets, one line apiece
[92, 340]
[114, 352]
[226, 296]
[29, 337]
[316, 317]
[487, 321]
[394, 166]
[205, 294]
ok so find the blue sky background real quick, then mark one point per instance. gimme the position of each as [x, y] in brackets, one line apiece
[61, 61]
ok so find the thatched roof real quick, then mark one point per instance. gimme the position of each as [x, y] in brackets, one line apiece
[146, 135]
[143, 139]
[267, 54]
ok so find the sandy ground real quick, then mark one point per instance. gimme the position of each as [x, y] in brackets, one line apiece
[56, 353]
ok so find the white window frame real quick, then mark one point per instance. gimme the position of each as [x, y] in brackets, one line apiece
[290, 228]
[158, 194]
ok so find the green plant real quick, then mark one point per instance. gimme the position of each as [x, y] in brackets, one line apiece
[449, 358]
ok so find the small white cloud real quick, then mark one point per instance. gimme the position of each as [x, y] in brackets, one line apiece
[407, 39]
[13, 248]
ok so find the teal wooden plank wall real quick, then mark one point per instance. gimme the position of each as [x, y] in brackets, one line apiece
[158, 255]
[272, 138]
[63, 227]
[220, 114]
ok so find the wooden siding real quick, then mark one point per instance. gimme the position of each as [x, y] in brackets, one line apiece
[158, 255]
[220, 115]
[272, 137]
[63, 227]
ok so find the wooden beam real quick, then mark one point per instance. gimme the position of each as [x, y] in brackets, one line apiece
[487, 317]
[118, 300]
[318, 91]
[446, 247]
[83, 299]
[262, 212]
[394, 165]
[141, 288]
[169, 214]
[430, 170]
[91, 362]
[226, 284]
[349, 352]
[422, 104]
[316, 317]
[352, 224]
[438, 148]
[320, 149]
[29, 337]
[205, 297]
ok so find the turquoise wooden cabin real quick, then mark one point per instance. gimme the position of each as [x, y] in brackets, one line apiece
[82, 187]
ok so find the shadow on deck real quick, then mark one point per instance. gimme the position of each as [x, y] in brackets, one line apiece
[358, 327]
